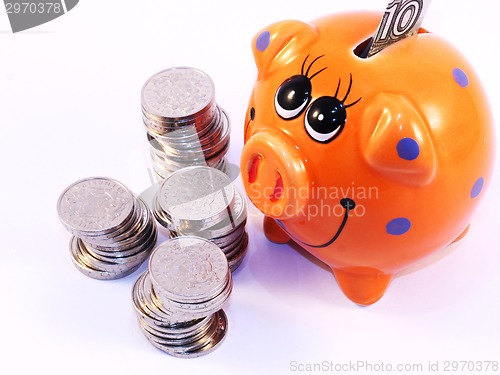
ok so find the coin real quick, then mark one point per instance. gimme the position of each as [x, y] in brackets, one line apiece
[178, 93]
[94, 205]
[201, 347]
[202, 202]
[184, 125]
[198, 309]
[234, 220]
[187, 268]
[82, 264]
[185, 334]
[196, 196]
[113, 230]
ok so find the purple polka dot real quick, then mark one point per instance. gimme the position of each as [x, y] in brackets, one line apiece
[460, 77]
[477, 188]
[408, 149]
[398, 226]
[263, 41]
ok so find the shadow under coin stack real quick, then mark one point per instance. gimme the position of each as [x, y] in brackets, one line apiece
[202, 202]
[113, 230]
[179, 299]
[184, 124]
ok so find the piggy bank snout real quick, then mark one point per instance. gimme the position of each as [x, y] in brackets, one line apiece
[274, 175]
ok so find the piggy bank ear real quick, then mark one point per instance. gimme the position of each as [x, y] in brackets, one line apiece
[278, 44]
[395, 140]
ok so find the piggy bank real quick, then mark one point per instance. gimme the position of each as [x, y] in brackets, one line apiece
[369, 164]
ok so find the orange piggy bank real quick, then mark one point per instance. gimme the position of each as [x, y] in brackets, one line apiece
[370, 164]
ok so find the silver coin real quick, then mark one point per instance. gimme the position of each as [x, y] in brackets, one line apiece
[230, 240]
[144, 310]
[178, 153]
[201, 308]
[121, 257]
[160, 215]
[203, 346]
[197, 194]
[236, 246]
[113, 231]
[187, 268]
[196, 340]
[236, 259]
[176, 144]
[194, 149]
[172, 337]
[229, 235]
[136, 224]
[186, 135]
[94, 205]
[185, 138]
[177, 305]
[137, 242]
[147, 308]
[82, 265]
[129, 260]
[178, 330]
[236, 262]
[220, 139]
[135, 237]
[159, 306]
[107, 264]
[177, 93]
[146, 241]
[156, 312]
[234, 220]
[164, 125]
[169, 165]
[184, 125]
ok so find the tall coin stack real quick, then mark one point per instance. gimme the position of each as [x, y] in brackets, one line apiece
[202, 201]
[184, 124]
[179, 299]
[113, 230]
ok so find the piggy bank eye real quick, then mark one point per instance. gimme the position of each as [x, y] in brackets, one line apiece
[325, 119]
[292, 96]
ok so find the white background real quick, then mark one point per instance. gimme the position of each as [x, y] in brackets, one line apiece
[70, 108]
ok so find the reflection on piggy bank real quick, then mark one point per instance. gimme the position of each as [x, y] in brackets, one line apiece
[369, 164]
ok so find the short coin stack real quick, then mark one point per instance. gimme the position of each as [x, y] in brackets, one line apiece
[202, 201]
[113, 230]
[179, 299]
[184, 124]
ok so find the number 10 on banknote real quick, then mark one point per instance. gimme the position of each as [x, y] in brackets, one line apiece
[401, 19]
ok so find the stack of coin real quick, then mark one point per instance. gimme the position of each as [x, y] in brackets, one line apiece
[113, 230]
[184, 124]
[179, 299]
[202, 201]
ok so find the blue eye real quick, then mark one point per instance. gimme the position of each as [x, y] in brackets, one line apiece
[292, 96]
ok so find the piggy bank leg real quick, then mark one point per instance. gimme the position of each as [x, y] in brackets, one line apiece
[462, 235]
[273, 231]
[362, 285]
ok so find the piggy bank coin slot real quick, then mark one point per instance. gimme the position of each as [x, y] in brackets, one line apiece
[362, 49]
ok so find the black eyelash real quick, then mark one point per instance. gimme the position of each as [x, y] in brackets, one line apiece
[310, 66]
[347, 93]
[306, 74]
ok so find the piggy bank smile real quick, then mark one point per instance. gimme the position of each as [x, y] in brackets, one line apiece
[348, 204]
[349, 156]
